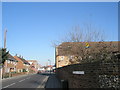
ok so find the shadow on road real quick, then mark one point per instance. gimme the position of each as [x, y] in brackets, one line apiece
[46, 74]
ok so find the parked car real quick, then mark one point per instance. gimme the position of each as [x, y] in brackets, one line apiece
[39, 72]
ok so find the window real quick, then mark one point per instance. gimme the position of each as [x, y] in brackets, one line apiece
[19, 70]
[13, 62]
[62, 58]
[8, 70]
[8, 61]
[71, 57]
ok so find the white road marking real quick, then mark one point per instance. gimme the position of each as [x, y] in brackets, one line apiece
[15, 83]
[21, 80]
[9, 85]
[28, 78]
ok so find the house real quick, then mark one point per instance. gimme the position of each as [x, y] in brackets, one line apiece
[42, 69]
[34, 65]
[49, 68]
[26, 65]
[10, 65]
[23, 65]
[67, 52]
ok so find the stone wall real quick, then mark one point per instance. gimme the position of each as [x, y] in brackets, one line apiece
[98, 74]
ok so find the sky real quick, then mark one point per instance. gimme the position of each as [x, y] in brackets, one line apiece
[33, 26]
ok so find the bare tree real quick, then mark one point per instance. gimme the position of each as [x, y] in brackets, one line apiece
[87, 34]
[79, 34]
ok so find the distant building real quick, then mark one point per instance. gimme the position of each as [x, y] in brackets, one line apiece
[34, 65]
[42, 69]
[67, 51]
[49, 67]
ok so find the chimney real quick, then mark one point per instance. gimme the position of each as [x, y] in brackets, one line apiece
[20, 56]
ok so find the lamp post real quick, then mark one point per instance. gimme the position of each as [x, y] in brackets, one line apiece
[50, 65]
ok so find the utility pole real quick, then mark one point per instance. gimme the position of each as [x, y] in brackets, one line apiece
[5, 38]
[5, 32]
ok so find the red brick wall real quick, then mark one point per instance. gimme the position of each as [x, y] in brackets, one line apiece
[19, 64]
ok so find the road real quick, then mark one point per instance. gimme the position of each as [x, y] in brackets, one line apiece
[29, 81]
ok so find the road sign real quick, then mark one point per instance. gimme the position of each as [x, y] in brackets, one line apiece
[78, 72]
[87, 45]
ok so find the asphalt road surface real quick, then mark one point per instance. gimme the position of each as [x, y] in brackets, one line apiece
[29, 81]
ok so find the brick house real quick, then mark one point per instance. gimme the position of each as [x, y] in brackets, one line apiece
[10, 65]
[26, 65]
[23, 65]
[68, 51]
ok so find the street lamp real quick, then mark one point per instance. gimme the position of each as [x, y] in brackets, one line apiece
[50, 65]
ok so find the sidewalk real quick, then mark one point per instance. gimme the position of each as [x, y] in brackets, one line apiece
[53, 82]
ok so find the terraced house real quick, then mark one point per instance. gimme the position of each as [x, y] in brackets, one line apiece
[23, 65]
[26, 65]
[10, 65]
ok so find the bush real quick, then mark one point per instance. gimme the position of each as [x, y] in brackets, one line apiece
[13, 72]
[24, 70]
[6, 75]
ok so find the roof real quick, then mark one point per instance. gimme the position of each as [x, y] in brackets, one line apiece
[50, 66]
[22, 59]
[32, 60]
[25, 61]
[10, 57]
[70, 48]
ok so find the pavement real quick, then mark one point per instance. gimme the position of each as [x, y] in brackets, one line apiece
[53, 82]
